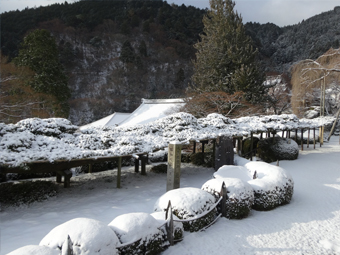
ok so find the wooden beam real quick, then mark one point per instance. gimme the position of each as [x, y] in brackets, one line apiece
[119, 172]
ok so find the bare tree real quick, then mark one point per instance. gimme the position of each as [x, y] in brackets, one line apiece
[279, 94]
[310, 78]
[232, 105]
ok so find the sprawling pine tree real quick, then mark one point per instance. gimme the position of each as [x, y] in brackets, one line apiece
[225, 59]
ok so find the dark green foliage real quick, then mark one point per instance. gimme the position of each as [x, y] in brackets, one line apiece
[238, 208]
[268, 200]
[246, 146]
[199, 160]
[277, 148]
[160, 169]
[14, 194]
[127, 54]
[151, 246]
[39, 52]
[225, 59]
[142, 49]
[197, 225]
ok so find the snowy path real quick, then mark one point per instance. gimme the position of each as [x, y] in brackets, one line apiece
[310, 224]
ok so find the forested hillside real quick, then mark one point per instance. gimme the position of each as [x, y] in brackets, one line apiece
[281, 47]
[117, 52]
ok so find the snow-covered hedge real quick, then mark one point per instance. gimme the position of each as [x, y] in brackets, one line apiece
[272, 185]
[55, 139]
[240, 196]
[87, 236]
[139, 233]
[192, 204]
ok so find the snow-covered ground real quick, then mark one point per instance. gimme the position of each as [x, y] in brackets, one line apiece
[310, 224]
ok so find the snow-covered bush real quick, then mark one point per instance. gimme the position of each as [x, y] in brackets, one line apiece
[272, 185]
[192, 204]
[35, 249]
[178, 226]
[49, 127]
[240, 196]
[139, 233]
[15, 194]
[87, 236]
[277, 148]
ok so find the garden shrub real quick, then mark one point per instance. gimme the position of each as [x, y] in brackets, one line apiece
[277, 148]
[188, 203]
[160, 169]
[140, 232]
[14, 194]
[178, 232]
[240, 196]
[87, 236]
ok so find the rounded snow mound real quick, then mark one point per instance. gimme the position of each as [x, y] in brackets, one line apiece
[189, 203]
[34, 249]
[272, 185]
[138, 232]
[87, 236]
[240, 196]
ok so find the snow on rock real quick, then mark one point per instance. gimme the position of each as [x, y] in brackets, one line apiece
[34, 249]
[240, 195]
[189, 203]
[88, 236]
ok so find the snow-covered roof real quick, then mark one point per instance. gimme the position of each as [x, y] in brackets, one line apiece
[111, 120]
[151, 110]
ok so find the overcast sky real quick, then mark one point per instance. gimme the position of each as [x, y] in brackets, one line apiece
[279, 12]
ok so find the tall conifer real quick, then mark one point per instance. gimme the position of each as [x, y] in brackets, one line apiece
[225, 59]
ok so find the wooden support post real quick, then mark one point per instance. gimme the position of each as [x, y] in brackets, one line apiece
[320, 136]
[302, 139]
[143, 161]
[283, 134]
[296, 133]
[170, 224]
[224, 195]
[90, 168]
[67, 247]
[214, 152]
[58, 177]
[261, 135]
[251, 146]
[194, 149]
[289, 134]
[67, 178]
[314, 137]
[119, 171]
[136, 165]
[308, 138]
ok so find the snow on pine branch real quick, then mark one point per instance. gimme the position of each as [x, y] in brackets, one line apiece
[57, 139]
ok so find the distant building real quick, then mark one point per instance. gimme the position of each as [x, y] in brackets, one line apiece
[150, 110]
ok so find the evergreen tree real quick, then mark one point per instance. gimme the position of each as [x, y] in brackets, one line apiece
[225, 59]
[39, 52]
[127, 54]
